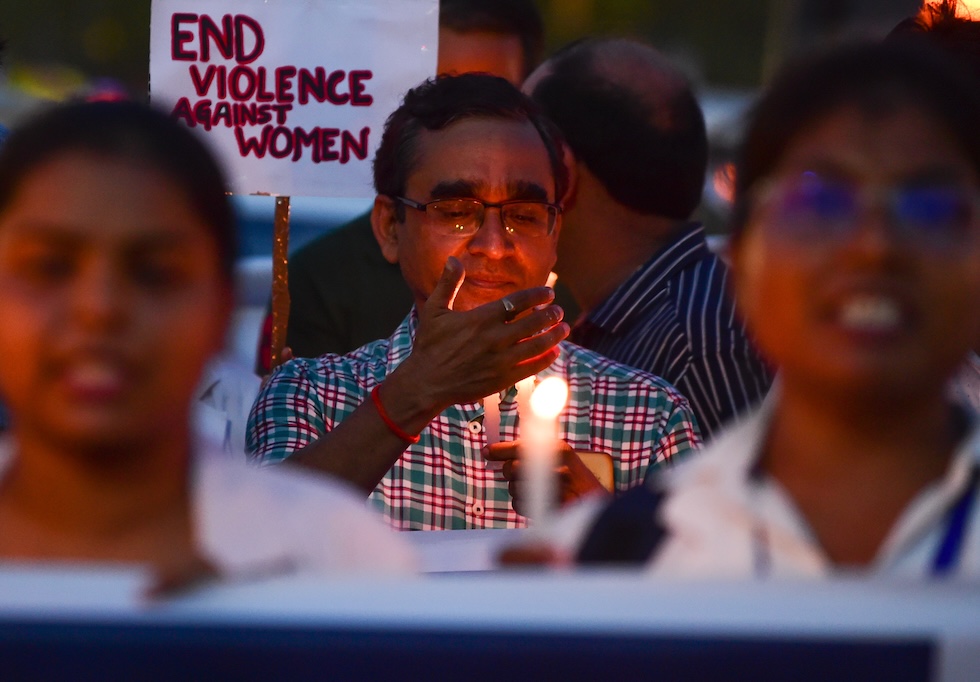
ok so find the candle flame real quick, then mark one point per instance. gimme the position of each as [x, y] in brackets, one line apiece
[549, 398]
[971, 8]
[964, 9]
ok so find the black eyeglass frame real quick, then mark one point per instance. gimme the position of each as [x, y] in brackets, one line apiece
[768, 189]
[423, 207]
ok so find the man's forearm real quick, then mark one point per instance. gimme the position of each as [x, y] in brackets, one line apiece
[362, 448]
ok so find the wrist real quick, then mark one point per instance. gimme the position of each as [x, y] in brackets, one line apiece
[406, 402]
[393, 427]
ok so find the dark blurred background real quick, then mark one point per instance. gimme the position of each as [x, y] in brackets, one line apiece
[56, 46]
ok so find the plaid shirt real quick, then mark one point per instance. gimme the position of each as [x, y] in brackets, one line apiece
[443, 482]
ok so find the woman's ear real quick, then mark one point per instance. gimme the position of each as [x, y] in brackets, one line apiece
[384, 224]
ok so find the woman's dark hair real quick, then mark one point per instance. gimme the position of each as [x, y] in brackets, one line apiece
[130, 131]
[440, 102]
[877, 79]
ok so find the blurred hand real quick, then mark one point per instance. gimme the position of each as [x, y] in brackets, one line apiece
[535, 554]
[575, 479]
[183, 574]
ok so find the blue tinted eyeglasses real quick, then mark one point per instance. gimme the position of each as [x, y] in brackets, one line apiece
[464, 217]
[812, 207]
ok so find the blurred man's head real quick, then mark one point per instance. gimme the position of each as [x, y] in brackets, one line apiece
[631, 119]
[469, 167]
[501, 37]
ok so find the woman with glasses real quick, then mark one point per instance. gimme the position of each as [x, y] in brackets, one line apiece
[856, 262]
[117, 246]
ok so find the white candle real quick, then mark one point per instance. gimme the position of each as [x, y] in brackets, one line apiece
[524, 389]
[540, 445]
[491, 418]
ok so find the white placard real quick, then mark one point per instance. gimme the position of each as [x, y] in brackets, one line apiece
[291, 94]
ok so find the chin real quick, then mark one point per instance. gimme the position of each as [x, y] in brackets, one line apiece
[880, 384]
[106, 435]
[101, 447]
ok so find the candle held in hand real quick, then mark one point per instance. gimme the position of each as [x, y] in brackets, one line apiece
[540, 445]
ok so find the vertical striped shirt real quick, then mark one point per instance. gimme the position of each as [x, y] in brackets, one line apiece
[443, 481]
[965, 386]
[674, 318]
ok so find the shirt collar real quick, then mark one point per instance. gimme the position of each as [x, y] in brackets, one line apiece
[688, 246]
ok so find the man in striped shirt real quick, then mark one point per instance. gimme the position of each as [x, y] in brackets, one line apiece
[469, 177]
[653, 295]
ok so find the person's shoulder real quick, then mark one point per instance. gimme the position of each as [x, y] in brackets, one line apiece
[579, 361]
[702, 287]
[316, 521]
[280, 486]
[368, 355]
[706, 312]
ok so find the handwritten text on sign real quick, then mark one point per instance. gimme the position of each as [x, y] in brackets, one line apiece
[292, 98]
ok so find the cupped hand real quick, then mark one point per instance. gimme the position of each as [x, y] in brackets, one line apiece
[575, 479]
[463, 356]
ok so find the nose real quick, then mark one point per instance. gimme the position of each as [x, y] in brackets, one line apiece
[99, 296]
[492, 239]
[875, 236]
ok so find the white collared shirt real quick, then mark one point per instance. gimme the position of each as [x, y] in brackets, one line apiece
[716, 516]
[250, 521]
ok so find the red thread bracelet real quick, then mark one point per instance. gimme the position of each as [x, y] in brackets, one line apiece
[392, 426]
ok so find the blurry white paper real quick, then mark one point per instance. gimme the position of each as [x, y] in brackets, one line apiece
[291, 95]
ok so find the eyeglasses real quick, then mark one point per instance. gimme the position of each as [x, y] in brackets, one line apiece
[814, 208]
[464, 217]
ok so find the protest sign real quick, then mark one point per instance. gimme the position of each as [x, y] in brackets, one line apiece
[291, 94]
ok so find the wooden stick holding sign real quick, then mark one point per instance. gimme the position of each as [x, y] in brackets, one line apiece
[280, 279]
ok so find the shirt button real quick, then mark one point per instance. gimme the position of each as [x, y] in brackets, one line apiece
[475, 427]
[478, 509]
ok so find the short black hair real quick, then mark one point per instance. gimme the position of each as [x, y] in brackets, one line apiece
[650, 153]
[444, 100]
[877, 78]
[131, 131]
[519, 18]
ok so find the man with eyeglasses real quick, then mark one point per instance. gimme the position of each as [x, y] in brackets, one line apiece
[469, 178]
[343, 292]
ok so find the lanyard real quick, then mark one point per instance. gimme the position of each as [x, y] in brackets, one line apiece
[947, 556]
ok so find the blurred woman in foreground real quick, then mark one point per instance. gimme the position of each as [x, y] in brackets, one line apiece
[856, 262]
[116, 254]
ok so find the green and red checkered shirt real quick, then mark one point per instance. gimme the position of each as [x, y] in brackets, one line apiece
[443, 482]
